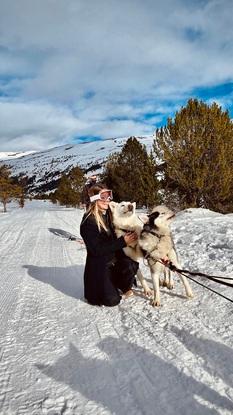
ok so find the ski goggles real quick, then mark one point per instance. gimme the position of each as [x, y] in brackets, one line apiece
[104, 195]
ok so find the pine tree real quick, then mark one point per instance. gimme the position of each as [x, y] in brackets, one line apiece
[8, 190]
[22, 182]
[131, 174]
[70, 188]
[197, 154]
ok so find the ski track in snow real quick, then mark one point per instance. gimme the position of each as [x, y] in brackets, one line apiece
[59, 355]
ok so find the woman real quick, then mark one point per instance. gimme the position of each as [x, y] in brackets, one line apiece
[107, 268]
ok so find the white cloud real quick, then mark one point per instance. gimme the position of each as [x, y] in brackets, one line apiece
[33, 125]
[128, 57]
[36, 126]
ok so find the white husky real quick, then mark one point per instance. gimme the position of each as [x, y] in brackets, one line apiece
[156, 242]
[126, 220]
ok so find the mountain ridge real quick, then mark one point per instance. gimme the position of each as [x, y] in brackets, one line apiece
[44, 168]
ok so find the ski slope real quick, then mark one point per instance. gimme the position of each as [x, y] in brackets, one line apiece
[59, 355]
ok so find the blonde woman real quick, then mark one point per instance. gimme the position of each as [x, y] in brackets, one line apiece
[109, 273]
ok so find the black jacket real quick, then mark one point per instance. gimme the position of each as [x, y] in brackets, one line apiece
[101, 278]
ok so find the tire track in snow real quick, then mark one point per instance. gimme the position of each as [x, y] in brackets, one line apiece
[11, 277]
[13, 236]
[39, 303]
[17, 311]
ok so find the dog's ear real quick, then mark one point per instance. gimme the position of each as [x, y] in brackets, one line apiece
[134, 205]
[112, 205]
[152, 218]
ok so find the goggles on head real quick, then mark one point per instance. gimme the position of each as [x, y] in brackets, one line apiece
[104, 195]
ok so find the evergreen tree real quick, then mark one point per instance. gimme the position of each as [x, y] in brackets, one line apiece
[8, 190]
[70, 188]
[196, 150]
[131, 174]
[22, 182]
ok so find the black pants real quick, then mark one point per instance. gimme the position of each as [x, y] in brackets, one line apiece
[120, 276]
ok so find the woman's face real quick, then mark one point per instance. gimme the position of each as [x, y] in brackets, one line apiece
[103, 203]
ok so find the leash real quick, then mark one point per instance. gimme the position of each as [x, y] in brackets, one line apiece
[214, 278]
[208, 288]
[172, 267]
[211, 277]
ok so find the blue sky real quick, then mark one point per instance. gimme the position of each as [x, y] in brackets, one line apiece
[71, 70]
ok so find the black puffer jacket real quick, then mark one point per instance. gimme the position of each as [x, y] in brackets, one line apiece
[107, 267]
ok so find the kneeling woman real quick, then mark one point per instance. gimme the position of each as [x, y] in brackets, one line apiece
[107, 268]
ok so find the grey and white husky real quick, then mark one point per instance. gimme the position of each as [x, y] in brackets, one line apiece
[156, 242]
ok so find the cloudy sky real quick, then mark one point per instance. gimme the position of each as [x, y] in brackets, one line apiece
[72, 70]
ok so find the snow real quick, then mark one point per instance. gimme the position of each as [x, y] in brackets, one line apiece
[59, 355]
[13, 155]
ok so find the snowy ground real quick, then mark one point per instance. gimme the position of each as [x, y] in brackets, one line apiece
[60, 355]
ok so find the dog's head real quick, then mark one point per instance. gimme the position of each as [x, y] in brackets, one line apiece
[122, 209]
[160, 216]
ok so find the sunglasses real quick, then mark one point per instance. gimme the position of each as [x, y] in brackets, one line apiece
[104, 195]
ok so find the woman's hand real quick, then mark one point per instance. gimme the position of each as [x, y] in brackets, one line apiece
[165, 260]
[130, 237]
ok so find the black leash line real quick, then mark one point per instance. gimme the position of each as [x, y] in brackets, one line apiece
[182, 272]
[228, 284]
[200, 274]
[208, 288]
[214, 278]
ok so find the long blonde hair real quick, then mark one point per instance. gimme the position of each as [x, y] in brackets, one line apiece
[93, 208]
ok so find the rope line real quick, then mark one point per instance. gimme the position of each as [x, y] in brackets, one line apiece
[200, 274]
[208, 288]
[212, 278]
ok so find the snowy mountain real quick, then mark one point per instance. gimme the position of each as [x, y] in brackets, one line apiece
[44, 168]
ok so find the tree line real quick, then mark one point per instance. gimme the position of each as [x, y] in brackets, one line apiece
[190, 164]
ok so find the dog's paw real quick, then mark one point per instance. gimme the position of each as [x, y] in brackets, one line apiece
[164, 283]
[190, 295]
[170, 285]
[148, 292]
[155, 303]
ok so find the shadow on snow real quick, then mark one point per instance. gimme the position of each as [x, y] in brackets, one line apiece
[217, 356]
[131, 379]
[68, 280]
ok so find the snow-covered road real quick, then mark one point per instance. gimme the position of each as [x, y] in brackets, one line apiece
[60, 355]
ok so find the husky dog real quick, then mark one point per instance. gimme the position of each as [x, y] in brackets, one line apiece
[125, 220]
[156, 242]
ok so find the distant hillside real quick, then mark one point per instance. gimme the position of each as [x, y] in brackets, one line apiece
[10, 155]
[45, 168]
